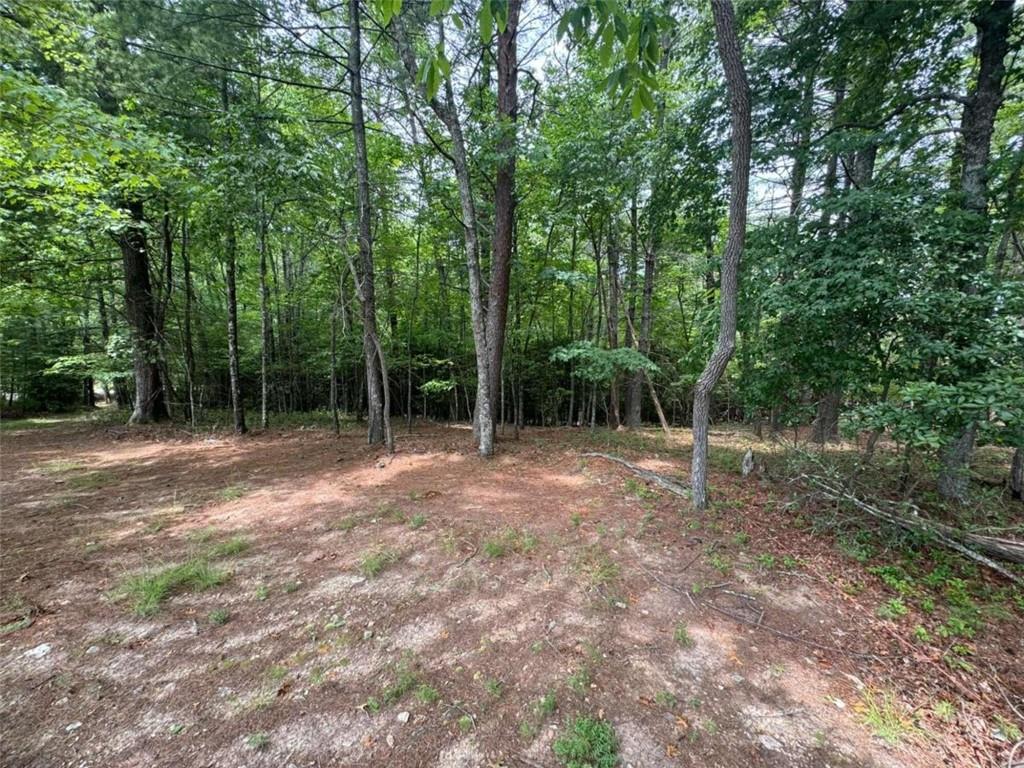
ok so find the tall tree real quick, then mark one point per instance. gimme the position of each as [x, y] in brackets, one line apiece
[379, 429]
[730, 53]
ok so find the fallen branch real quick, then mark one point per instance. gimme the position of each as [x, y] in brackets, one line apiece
[946, 535]
[660, 480]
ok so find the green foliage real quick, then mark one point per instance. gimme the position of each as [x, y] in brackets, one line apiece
[588, 743]
[596, 365]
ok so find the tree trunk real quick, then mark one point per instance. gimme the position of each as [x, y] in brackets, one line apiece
[1017, 475]
[826, 423]
[448, 114]
[237, 406]
[739, 100]
[613, 323]
[140, 311]
[189, 351]
[264, 317]
[376, 415]
[504, 194]
[993, 21]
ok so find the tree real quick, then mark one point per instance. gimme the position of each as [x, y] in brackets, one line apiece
[739, 104]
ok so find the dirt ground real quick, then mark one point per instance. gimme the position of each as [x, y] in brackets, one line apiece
[538, 574]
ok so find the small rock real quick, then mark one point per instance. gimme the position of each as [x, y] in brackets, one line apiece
[620, 605]
[390, 740]
[770, 742]
[92, 649]
[73, 726]
[403, 717]
[367, 634]
[39, 651]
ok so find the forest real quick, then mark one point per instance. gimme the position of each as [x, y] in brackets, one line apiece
[684, 325]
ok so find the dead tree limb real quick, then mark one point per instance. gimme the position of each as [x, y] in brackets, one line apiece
[943, 534]
[660, 480]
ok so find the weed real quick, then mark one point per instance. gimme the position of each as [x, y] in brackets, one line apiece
[580, 680]
[149, 589]
[536, 646]
[60, 466]
[494, 548]
[291, 586]
[374, 562]
[884, 715]
[203, 535]
[766, 562]
[236, 545]
[175, 729]
[595, 565]
[257, 741]
[790, 562]
[721, 563]
[427, 694]
[1008, 730]
[527, 730]
[345, 524]
[640, 490]
[493, 687]
[511, 540]
[588, 743]
[417, 521]
[390, 511]
[546, 705]
[892, 609]
[91, 480]
[681, 635]
[465, 723]
[741, 539]
[449, 542]
[404, 682]
[922, 635]
[232, 493]
[576, 519]
[372, 704]
[944, 710]
[277, 672]
[219, 617]
[262, 592]
[665, 699]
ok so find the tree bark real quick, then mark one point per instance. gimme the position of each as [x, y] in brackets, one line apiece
[504, 194]
[376, 415]
[140, 310]
[729, 51]
[993, 21]
[613, 323]
[189, 350]
[1017, 475]
[237, 406]
[265, 327]
[826, 423]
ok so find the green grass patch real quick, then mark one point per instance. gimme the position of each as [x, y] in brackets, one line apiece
[374, 563]
[146, 591]
[231, 493]
[417, 521]
[236, 545]
[884, 715]
[595, 565]
[588, 743]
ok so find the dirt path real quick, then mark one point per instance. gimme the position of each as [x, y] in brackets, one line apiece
[535, 575]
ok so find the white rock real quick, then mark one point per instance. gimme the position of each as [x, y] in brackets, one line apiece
[403, 717]
[39, 651]
[73, 726]
[770, 742]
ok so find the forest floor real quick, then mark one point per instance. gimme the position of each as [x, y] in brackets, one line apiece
[299, 599]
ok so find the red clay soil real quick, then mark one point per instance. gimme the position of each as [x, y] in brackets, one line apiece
[500, 582]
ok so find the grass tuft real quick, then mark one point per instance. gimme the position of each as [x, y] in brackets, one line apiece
[373, 563]
[588, 743]
[149, 589]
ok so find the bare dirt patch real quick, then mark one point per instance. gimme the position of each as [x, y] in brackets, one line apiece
[428, 608]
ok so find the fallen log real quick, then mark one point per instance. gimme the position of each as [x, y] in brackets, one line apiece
[660, 480]
[952, 538]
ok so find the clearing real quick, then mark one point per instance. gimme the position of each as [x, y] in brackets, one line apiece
[294, 598]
